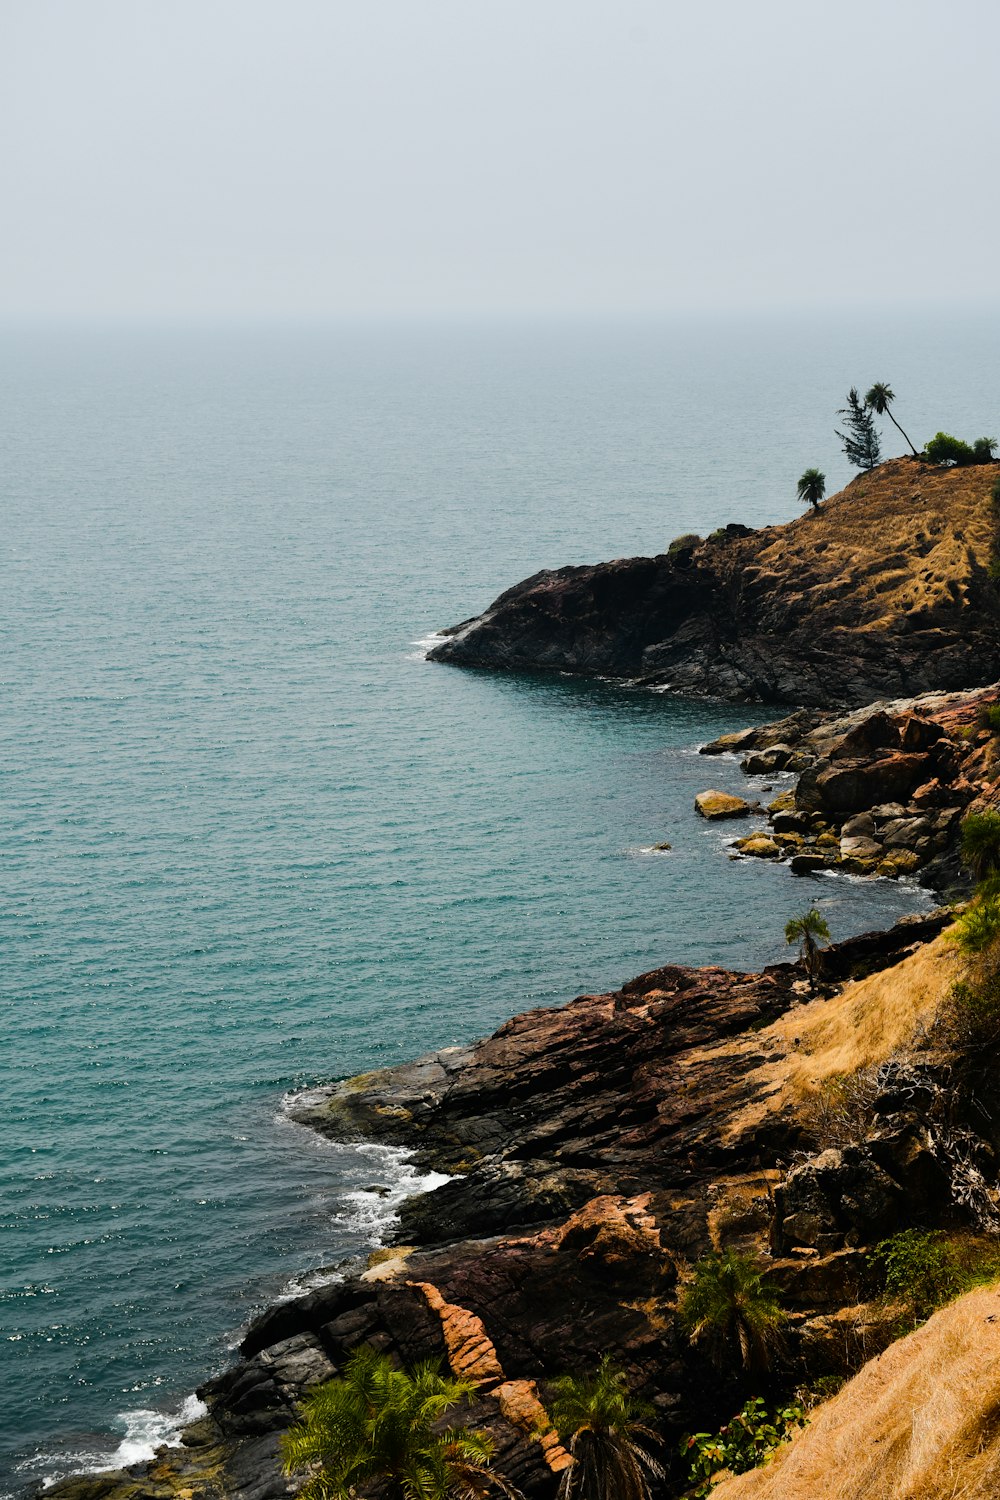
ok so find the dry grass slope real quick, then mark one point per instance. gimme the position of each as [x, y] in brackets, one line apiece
[901, 541]
[921, 1422]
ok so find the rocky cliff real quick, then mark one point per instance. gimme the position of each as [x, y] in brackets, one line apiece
[884, 591]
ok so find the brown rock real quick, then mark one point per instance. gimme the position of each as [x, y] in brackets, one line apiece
[715, 805]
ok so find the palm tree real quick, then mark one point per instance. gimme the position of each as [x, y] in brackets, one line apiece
[731, 1305]
[605, 1430]
[376, 1423]
[809, 930]
[880, 399]
[812, 487]
[981, 843]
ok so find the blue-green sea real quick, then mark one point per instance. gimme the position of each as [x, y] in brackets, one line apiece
[252, 841]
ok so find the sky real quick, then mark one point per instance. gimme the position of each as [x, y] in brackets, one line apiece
[288, 159]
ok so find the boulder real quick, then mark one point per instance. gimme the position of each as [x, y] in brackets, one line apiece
[758, 846]
[860, 848]
[904, 833]
[850, 786]
[862, 825]
[899, 862]
[789, 822]
[715, 805]
[806, 864]
[877, 732]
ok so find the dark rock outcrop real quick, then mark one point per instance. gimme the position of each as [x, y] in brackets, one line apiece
[882, 592]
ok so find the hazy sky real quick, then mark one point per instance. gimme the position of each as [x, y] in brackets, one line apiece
[331, 157]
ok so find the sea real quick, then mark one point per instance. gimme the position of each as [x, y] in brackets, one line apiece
[252, 841]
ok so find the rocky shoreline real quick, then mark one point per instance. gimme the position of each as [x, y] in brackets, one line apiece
[598, 1150]
[880, 791]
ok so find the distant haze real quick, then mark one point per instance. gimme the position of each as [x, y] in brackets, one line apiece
[332, 158]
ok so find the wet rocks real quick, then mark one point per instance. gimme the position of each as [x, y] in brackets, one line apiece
[716, 805]
[884, 790]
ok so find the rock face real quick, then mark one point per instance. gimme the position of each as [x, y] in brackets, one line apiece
[881, 790]
[883, 591]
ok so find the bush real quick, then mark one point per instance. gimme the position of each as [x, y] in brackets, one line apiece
[682, 544]
[732, 1306]
[745, 1442]
[988, 717]
[925, 1269]
[945, 449]
[979, 926]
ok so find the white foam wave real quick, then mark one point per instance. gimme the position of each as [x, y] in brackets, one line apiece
[145, 1431]
[425, 644]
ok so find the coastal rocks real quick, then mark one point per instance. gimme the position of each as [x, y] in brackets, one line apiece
[844, 605]
[884, 789]
[715, 805]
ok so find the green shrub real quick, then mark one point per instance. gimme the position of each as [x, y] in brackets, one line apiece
[978, 926]
[988, 717]
[981, 843]
[984, 450]
[681, 544]
[924, 1269]
[945, 449]
[746, 1441]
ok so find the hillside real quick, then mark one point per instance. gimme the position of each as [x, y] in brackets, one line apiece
[917, 1423]
[884, 591]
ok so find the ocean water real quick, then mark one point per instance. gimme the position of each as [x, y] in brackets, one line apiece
[252, 841]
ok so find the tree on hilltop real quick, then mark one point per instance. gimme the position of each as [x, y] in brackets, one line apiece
[812, 487]
[879, 399]
[861, 440]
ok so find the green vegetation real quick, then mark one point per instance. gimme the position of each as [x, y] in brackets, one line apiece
[981, 843]
[809, 931]
[924, 1269]
[376, 1424]
[682, 544]
[979, 925]
[861, 440]
[945, 449]
[879, 400]
[988, 717]
[746, 1441]
[731, 1306]
[605, 1429]
[812, 487]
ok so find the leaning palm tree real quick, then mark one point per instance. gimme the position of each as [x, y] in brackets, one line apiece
[812, 487]
[880, 399]
[809, 931]
[981, 843]
[731, 1306]
[605, 1430]
[378, 1424]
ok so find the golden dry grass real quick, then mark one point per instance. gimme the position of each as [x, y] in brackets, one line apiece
[902, 539]
[867, 1022]
[921, 1422]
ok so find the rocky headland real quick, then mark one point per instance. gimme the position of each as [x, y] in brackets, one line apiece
[883, 592]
